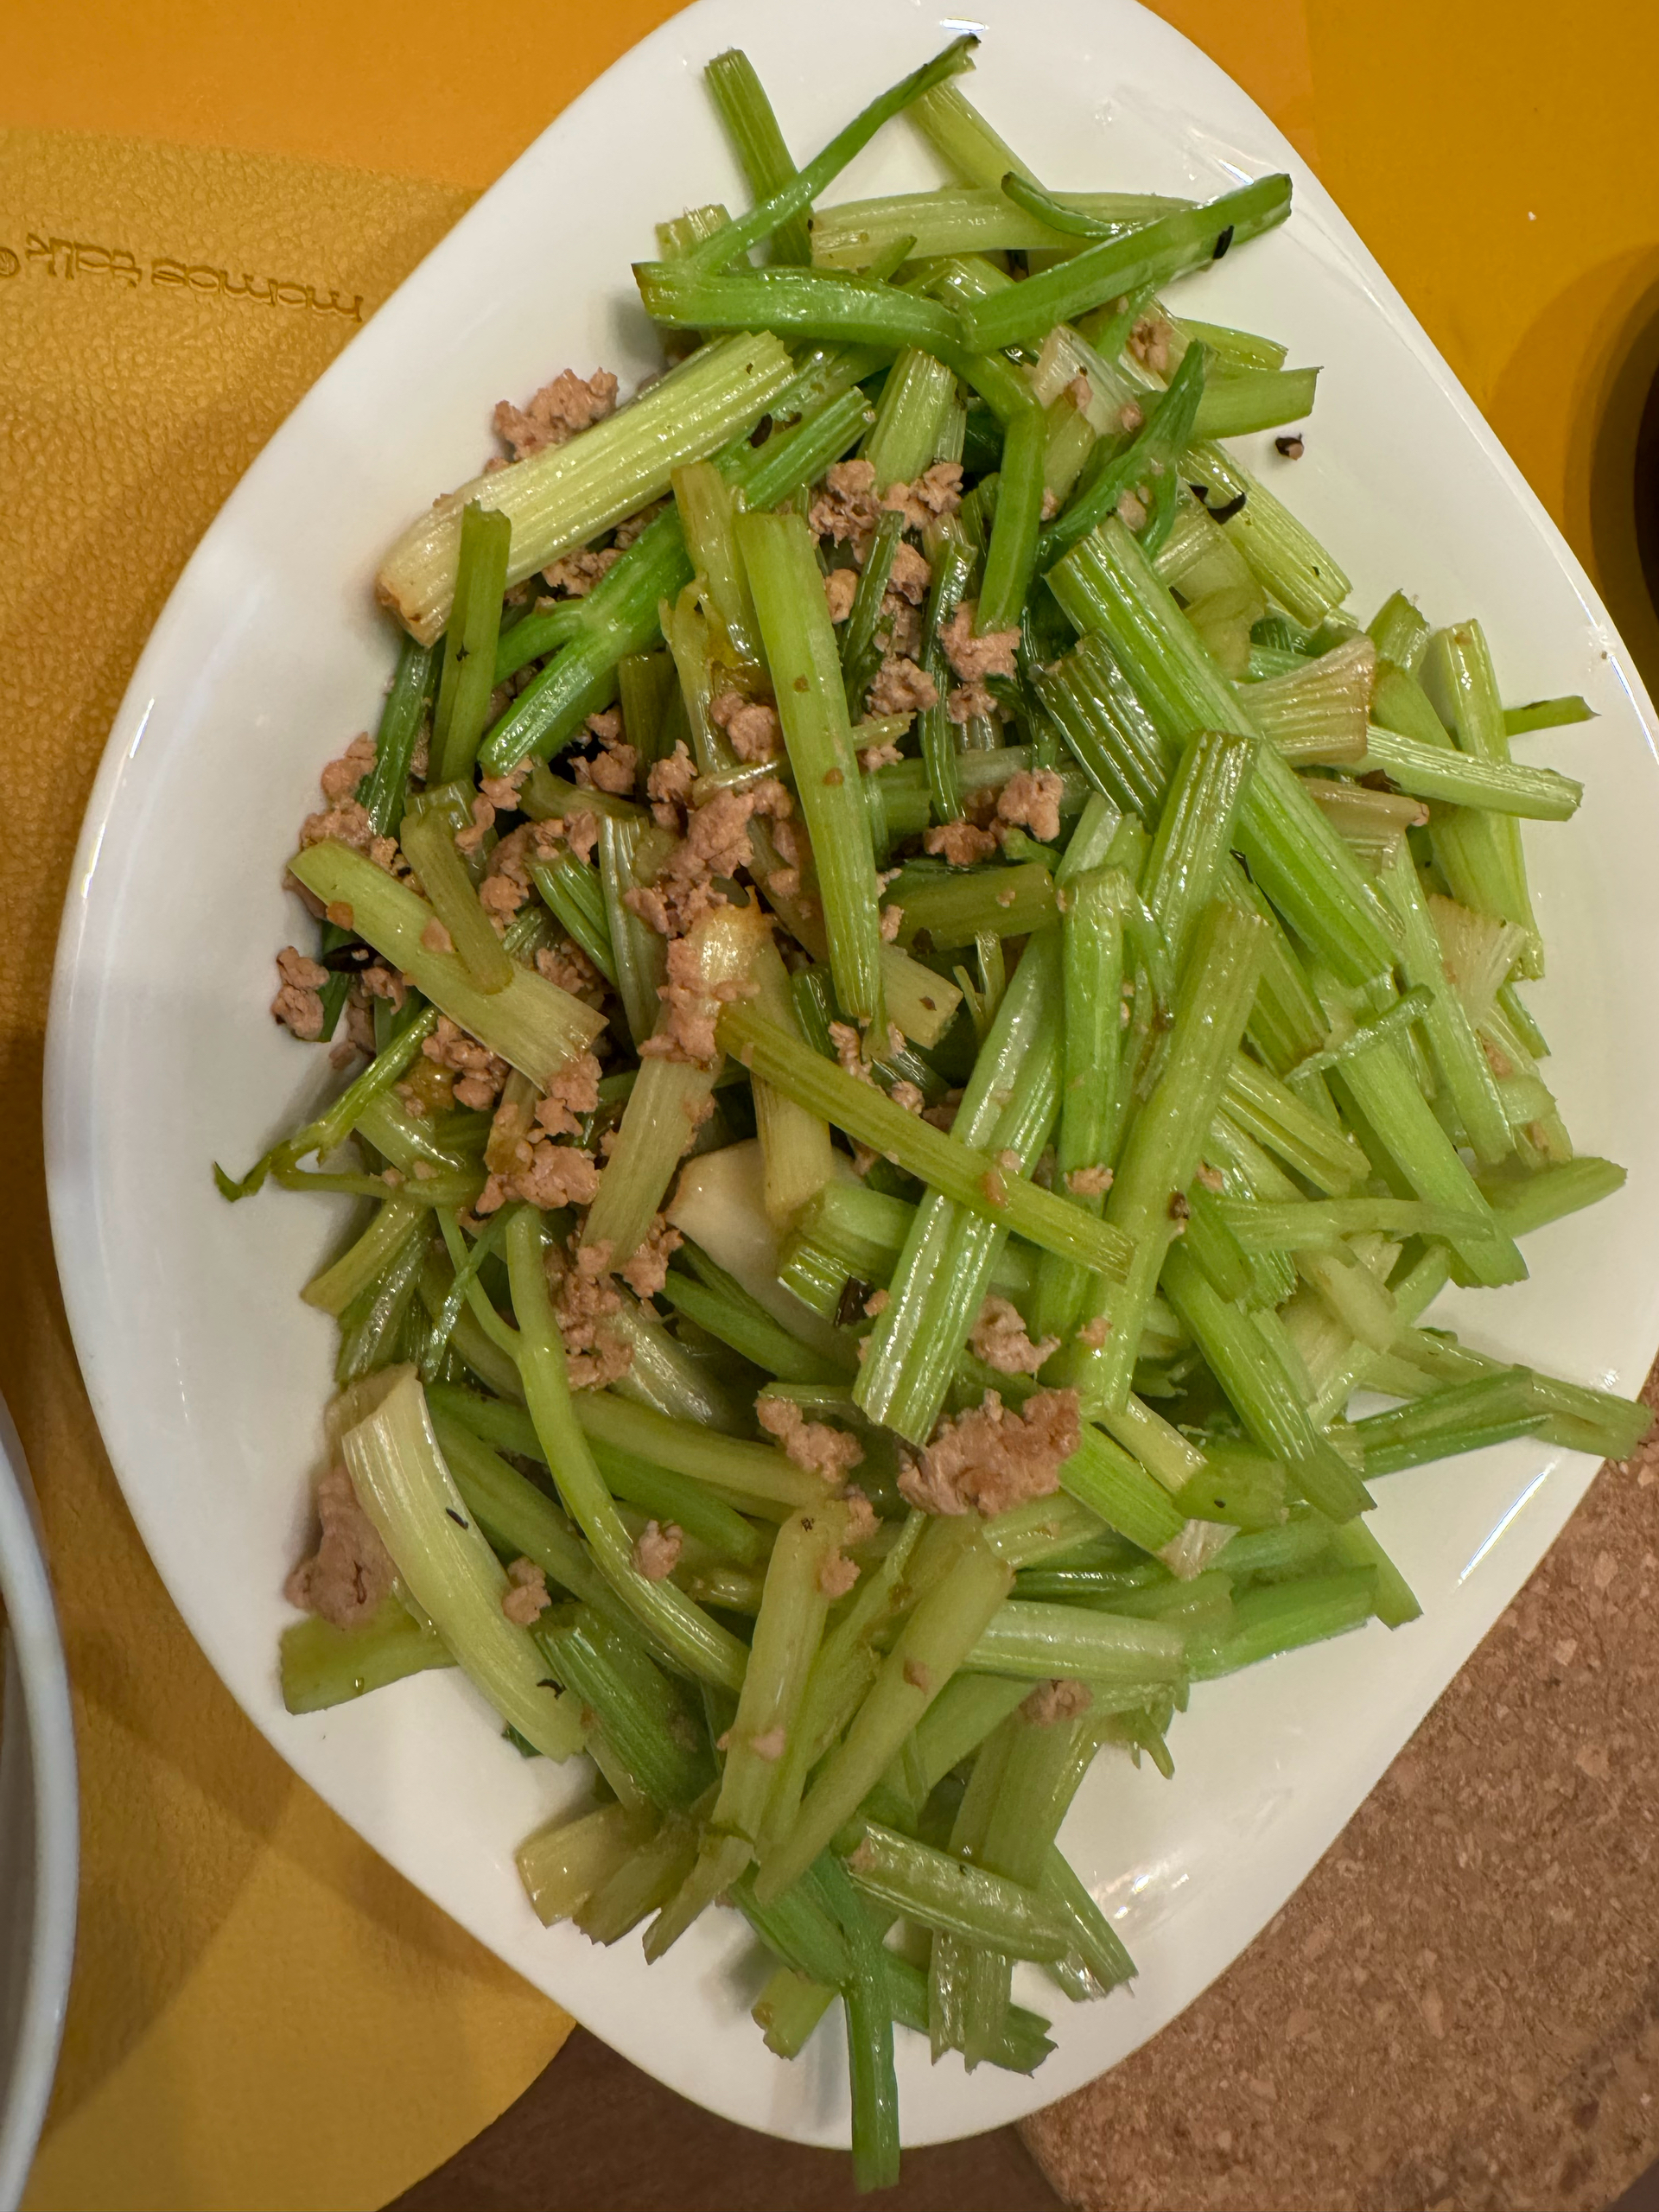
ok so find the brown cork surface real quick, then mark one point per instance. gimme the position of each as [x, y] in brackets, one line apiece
[1459, 2011]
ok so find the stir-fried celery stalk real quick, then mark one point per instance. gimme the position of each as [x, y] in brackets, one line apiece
[559, 498]
[468, 678]
[958, 1171]
[1011, 553]
[939, 1890]
[532, 1024]
[429, 847]
[1160, 1153]
[710, 1652]
[1195, 833]
[1295, 856]
[1480, 858]
[940, 1280]
[794, 1143]
[1459, 1058]
[909, 418]
[322, 1665]
[1156, 449]
[1163, 250]
[809, 303]
[394, 740]
[759, 143]
[960, 219]
[797, 193]
[442, 1558]
[1502, 787]
[670, 1091]
[1255, 399]
[800, 645]
[703, 499]
[934, 1642]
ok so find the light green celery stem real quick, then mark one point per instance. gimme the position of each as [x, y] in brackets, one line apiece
[1353, 1294]
[1289, 1615]
[1463, 779]
[1245, 1361]
[395, 1223]
[1295, 856]
[501, 1333]
[957, 909]
[1155, 449]
[562, 1866]
[956, 1723]
[429, 847]
[958, 1171]
[444, 1322]
[1459, 1058]
[1394, 1023]
[1092, 969]
[1159, 1448]
[1162, 1151]
[640, 955]
[1039, 1641]
[468, 676]
[909, 417]
[573, 892]
[939, 1283]
[1399, 631]
[1210, 1241]
[703, 499]
[1523, 1202]
[1195, 833]
[665, 1375]
[1582, 1419]
[848, 1661]
[1547, 714]
[563, 497]
[533, 1024]
[1287, 561]
[655, 1490]
[1153, 255]
[735, 1318]
[756, 1475]
[1011, 553]
[797, 193]
[753, 128]
[1269, 1111]
[1108, 730]
[939, 1891]
[800, 642]
[1326, 1221]
[701, 1644]
[955, 1973]
[1068, 222]
[519, 1517]
[382, 795]
[964, 219]
[1480, 857]
[787, 1632]
[646, 1879]
[1383, 1086]
[642, 682]
[815, 1267]
[871, 2076]
[322, 1666]
[1412, 1294]
[1245, 400]
[1238, 1485]
[621, 614]
[788, 2009]
[442, 1558]
[1400, 703]
[669, 1094]
[1110, 1483]
[1354, 1545]
[1093, 1936]
[861, 652]
[536, 634]
[959, 134]
[373, 1330]
[934, 1642]
[795, 1145]
[806, 303]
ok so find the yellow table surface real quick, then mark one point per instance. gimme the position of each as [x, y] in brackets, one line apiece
[1500, 166]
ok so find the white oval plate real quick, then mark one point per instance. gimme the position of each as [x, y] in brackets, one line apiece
[208, 1374]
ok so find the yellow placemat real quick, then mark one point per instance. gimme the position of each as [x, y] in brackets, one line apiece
[264, 2014]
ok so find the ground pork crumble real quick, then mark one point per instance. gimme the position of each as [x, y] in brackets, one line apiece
[351, 1571]
[657, 1550]
[298, 1002]
[479, 1073]
[647, 1270]
[901, 687]
[1060, 1699]
[1088, 1182]
[715, 843]
[974, 659]
[991, 1460]
[960, 842]
[813, 1445]
[616, 764]
[1031, 799]
[751, 726]
[524, 1600]
[555, 413]
[584, 1299]
[1000, 1337]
